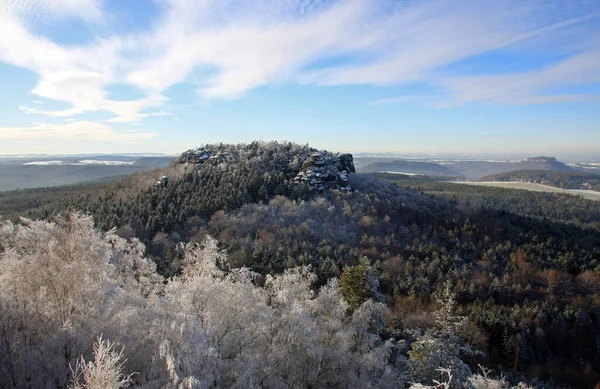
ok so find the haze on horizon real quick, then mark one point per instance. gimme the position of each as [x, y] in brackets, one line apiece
[411, 76]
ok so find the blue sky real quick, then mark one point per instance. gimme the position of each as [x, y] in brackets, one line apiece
[405, 76]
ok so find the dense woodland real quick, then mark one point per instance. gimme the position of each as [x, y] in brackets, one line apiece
[449, 276]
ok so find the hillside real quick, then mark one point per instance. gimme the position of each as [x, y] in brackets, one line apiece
[522, 268]
[558, 179]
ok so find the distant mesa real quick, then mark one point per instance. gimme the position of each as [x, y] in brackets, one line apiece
[543, 163]
[541, 159]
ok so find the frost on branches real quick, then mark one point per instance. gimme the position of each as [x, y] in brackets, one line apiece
[104, 372]
[87, 309]
[65, 285]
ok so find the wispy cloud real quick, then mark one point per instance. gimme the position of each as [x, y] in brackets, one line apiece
[138, 116]
[61, 113]
[226, 48]
[395, 100]
[531, 87]
[80, 130]
[250, 50]
[89, 10]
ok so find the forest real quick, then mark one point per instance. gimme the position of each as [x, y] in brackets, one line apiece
[233, 274]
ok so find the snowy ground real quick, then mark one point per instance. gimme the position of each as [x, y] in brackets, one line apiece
[81, 163]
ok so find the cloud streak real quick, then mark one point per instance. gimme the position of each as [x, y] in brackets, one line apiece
[227, 48]
[532, 87]
[80, 130]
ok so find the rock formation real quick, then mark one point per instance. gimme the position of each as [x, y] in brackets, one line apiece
[326, 171]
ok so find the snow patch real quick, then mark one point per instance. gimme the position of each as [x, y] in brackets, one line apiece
[44, 163]
[108, 163]
[406, 174]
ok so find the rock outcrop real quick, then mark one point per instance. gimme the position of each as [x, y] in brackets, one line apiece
[164, 180]
[326, 171]
[202, 155]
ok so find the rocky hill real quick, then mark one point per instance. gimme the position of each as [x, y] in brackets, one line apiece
[320, 170]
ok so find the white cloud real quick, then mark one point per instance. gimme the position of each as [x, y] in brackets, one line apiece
[138, 116]
[226, 48]
[255, 49]
[421, 41]
[80, 130]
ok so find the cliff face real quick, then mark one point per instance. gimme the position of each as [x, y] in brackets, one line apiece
[320, 170]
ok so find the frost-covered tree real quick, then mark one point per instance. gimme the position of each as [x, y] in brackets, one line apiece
[64, 284]
[232, 333]
[56, 295]
[104, 372]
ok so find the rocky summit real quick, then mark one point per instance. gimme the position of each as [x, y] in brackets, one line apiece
[320, 170]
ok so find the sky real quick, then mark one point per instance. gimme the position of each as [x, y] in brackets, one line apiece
[376, 76]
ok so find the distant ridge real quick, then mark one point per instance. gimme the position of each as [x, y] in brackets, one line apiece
[410, 167]
[460, 168]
